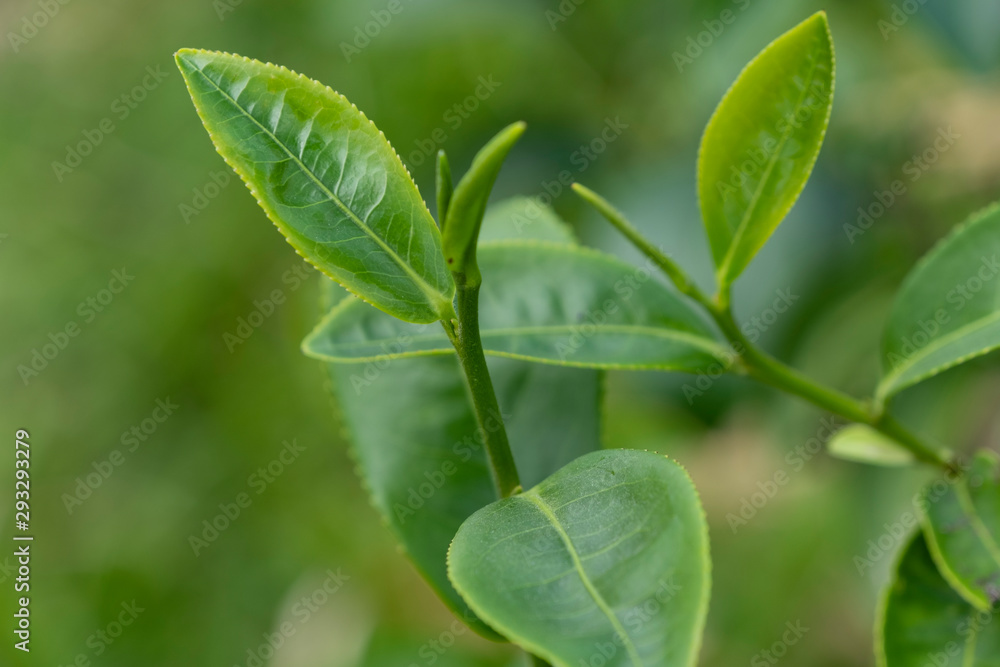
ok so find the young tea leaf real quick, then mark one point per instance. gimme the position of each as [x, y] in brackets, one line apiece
[327, 178]
[551, 303]
[762, 141]
[963, 531]
[864, 444]
[923, 622]
[948, 310]
[468, 203]
[605, 560]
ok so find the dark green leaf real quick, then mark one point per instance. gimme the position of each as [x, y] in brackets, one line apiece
[924, 623]
[605, 560]
[963, 530]
[327, 178]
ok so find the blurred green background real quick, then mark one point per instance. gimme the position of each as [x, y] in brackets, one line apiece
[146, 200]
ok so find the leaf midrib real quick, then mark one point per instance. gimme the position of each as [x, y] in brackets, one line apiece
[434, 297]
[968, 506]
[744, 223]
[682, 336]
[595, 594]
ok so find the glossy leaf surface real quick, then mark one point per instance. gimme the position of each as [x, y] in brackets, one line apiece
[417, 445]
[864, 444]
[327, 178]
[948, 310]
[762, 141]
[605, 560]
[963, 530]
[544, 302]
[924, 622]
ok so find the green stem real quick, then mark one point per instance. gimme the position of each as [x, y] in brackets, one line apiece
[758, 364]
[464, 334]
[538, 662]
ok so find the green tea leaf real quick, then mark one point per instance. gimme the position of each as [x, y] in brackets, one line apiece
[327, 178]
[948, 310]
[605, 560]
[544, 302]
[923, 622]
[963, 530]
[864, 444]
[762, 142]
[419, 450]
[468, 203]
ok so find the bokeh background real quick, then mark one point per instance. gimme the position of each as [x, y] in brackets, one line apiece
[142, 201]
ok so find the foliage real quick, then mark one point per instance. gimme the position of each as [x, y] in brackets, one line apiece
[564, 568]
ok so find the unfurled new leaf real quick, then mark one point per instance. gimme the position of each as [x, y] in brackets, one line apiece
[468, 203]
[924, 622]
[948, 310]
[608, 557]
[760, 145]
[327, 178]
[963, 530]
[544, 302]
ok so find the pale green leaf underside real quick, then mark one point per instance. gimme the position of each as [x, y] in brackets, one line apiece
[327, 178]
[524, 218]
[762, 142]
[864, 444]
[948, 310]
[963, 531]
[410, 419]
[543, 302]
[924, 622]
[611, 551]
